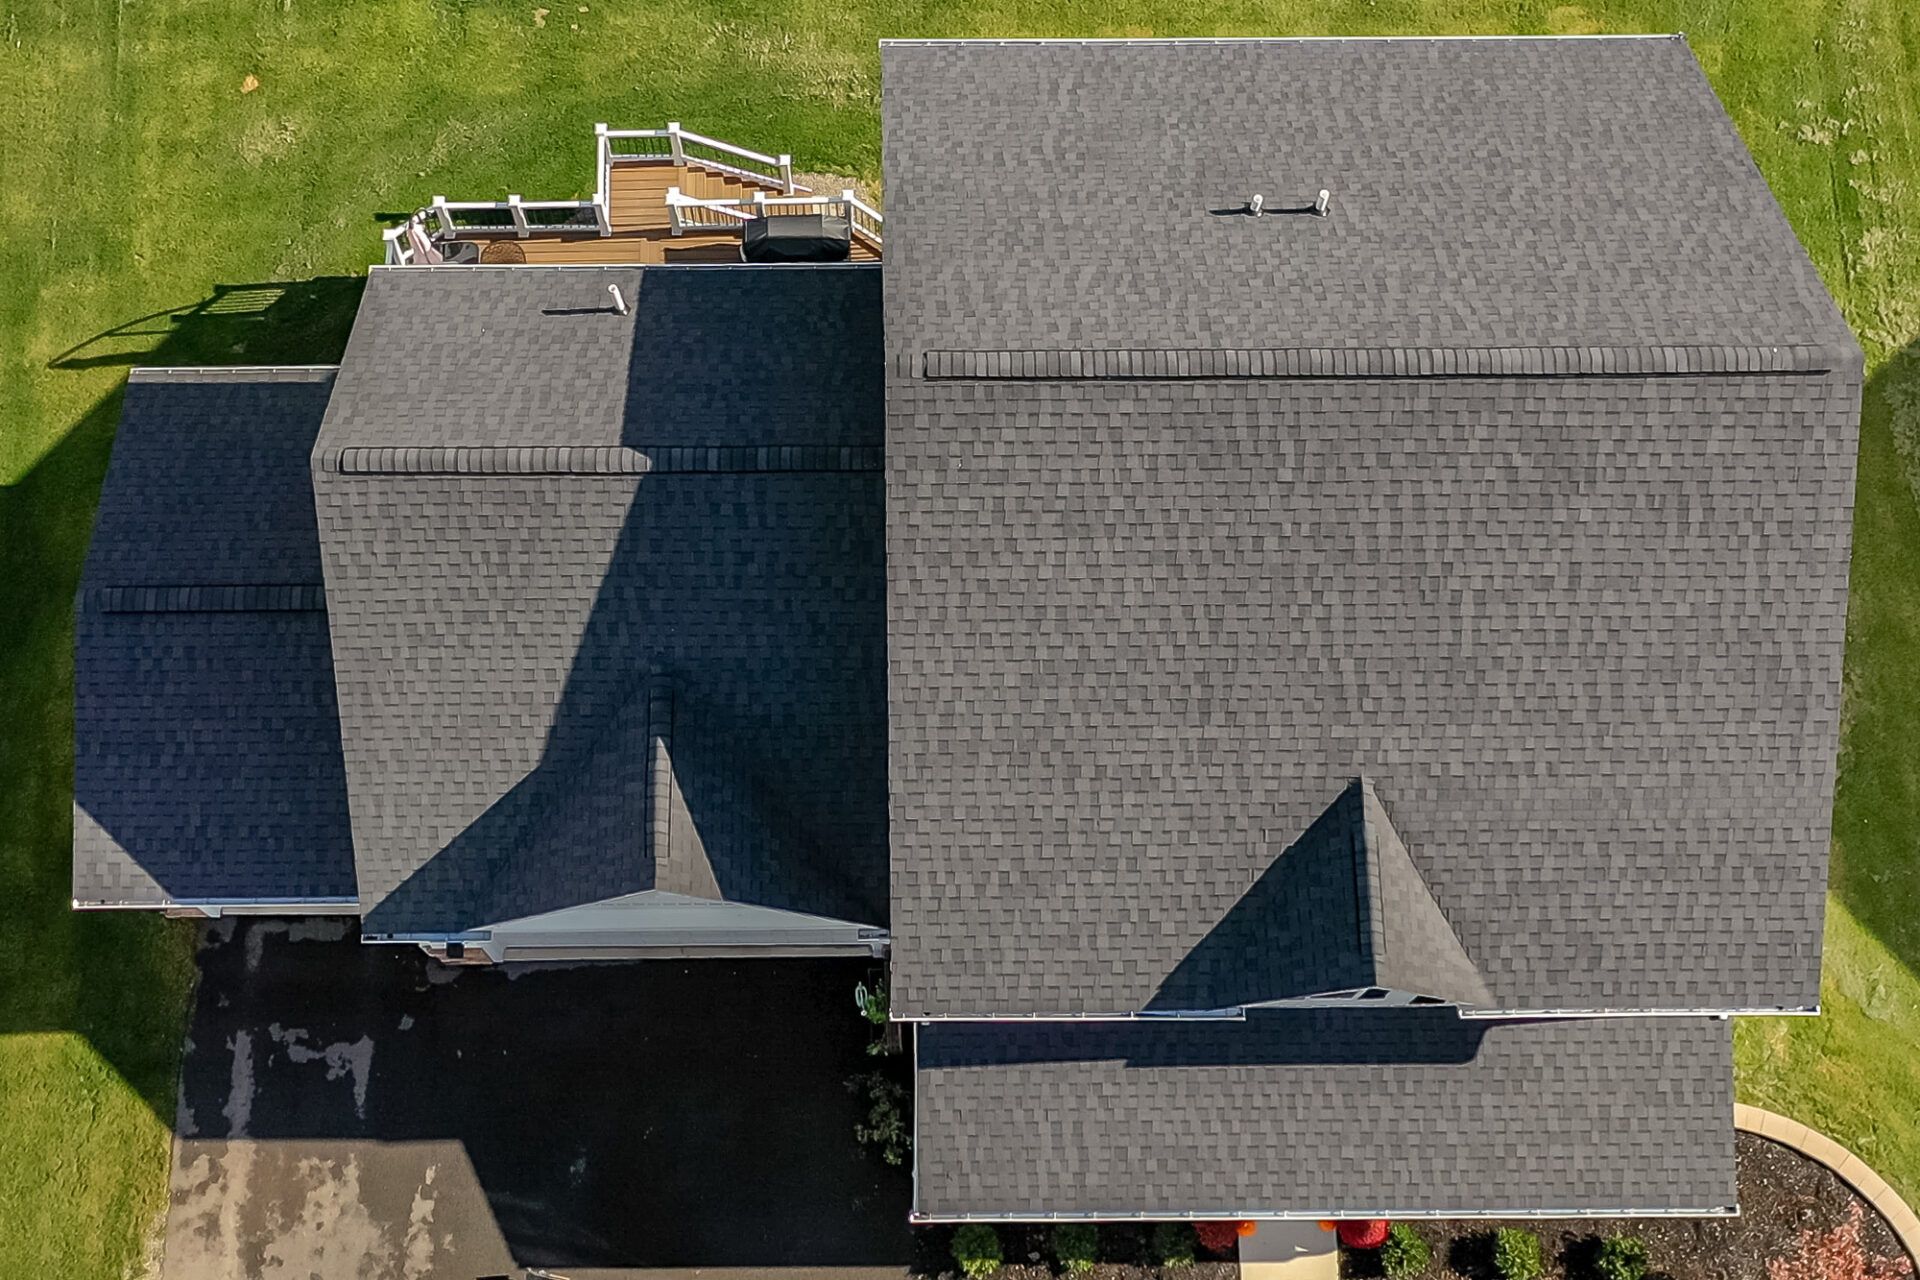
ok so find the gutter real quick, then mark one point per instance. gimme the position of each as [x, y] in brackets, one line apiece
[1304, 1215]
[214, 908]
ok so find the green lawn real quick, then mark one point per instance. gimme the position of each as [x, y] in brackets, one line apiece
[136, 178]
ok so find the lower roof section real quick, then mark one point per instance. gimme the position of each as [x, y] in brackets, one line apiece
[1395, 1112]
[207, 764]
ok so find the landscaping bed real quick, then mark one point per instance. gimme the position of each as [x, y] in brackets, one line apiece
[1783, 1196]
[1124, 1252]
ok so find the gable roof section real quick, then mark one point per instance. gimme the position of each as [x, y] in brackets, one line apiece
[1408, 940]
[207, 764]
[1341, 908]
[1524, 496]
[1324, 1113]
[594, 573]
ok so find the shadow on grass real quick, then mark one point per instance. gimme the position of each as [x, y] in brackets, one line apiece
[122, 980]
[1876, 863]
[279, 322]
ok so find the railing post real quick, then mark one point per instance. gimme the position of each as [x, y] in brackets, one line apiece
[786, 173]
[446, 215]
[673, 142]
[520, 227]
[600, 162]
[605, 219]
[673, 210]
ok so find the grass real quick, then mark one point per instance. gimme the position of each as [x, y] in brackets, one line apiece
[137, 178]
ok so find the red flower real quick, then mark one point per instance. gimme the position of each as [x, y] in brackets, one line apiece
[1364, 1233]
[1217, 1237]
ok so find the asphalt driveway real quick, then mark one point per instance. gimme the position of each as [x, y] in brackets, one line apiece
[357, 1111]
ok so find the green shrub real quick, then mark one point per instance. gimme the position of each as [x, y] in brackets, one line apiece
[1175, 1244]
[1516, 1254]
[1076, 1246]
[976, 1247]
[1622, 1258]
[874, 1003]
[1405, 1253]
[887, 1126]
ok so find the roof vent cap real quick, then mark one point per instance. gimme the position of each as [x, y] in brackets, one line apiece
[619, 302]
[1257, 204]
[1321, 202]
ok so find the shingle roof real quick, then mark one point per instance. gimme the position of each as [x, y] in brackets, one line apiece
[1494, 193]
[1521, 486]
[1584, 637]
[1347, 1112]
[539, 584]
[207, 758]
[1341, 908]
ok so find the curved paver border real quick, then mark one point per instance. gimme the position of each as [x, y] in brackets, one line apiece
[1850, 1169]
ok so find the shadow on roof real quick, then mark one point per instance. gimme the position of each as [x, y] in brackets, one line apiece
[768, 636]
[737, 638]
[798, 350]
[1295, 932]
[1267, 1037]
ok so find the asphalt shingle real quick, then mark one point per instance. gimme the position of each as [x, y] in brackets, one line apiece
[686, 497]
[207, 761]
[1521, 486]
[1359, 1113]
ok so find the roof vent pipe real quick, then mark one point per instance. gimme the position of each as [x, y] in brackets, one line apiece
[1255, 205]
[619, 303]
[1321, 202]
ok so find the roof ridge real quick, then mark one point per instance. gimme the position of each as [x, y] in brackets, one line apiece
[433, 460]
[1369, 906]
[1428, 957]
[221, 597]
[1165, 363]
[679, 866]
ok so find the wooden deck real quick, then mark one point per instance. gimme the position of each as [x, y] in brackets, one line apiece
[642, 232]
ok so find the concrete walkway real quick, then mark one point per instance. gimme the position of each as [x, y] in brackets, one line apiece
[1290, 1249]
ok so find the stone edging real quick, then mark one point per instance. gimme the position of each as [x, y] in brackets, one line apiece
[1848, 1167]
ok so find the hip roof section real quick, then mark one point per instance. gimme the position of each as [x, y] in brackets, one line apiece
[1519, 485]
[1089, 196]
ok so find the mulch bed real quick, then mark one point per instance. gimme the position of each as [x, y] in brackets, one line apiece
[1782, 1193]
[1028, 1256]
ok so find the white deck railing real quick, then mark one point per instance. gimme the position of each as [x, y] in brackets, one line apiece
[522, 217]
[420, 237]
[685, 212]
[678, 145]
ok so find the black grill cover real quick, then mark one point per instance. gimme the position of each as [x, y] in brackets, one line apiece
[797, 237]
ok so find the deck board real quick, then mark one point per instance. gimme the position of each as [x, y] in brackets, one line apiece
[637, 212]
